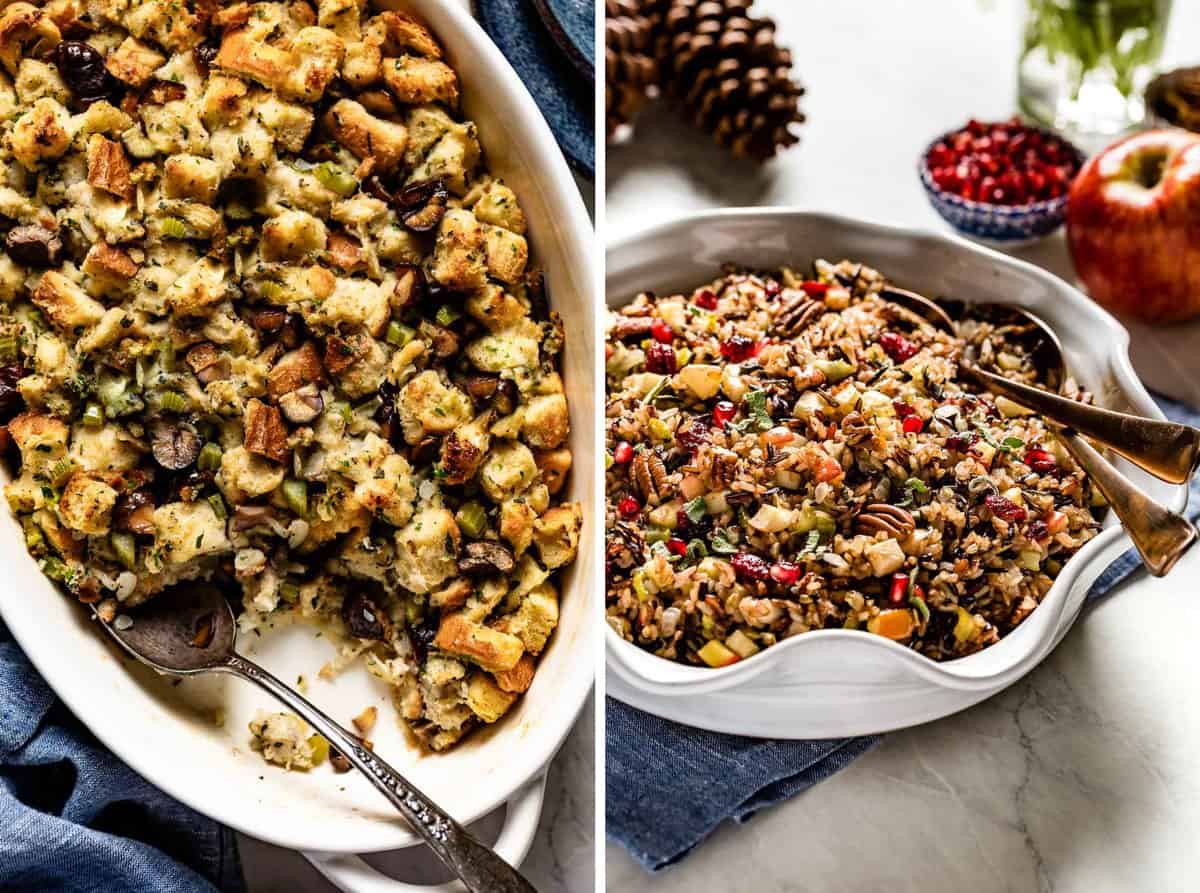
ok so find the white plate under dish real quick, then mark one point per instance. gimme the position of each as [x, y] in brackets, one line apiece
[836, 683]
[166, 732]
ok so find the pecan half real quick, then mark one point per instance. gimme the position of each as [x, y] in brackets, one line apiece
[723, 468]
[649, 476]
[797, 314]
[631, 327]
[891, 519]
[856, 429]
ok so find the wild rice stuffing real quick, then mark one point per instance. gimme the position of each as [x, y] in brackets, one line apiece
[788, 454]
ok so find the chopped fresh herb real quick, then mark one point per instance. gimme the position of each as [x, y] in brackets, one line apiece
[696, 550]
[696, 510]
[812, 543]
[756, 405]
[722, 545]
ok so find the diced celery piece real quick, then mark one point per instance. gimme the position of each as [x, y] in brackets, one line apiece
[173, 228]
[173, 401]
[210, 457]
[295, 494]
[320, 749]
[964, 627]
[446, 315]
[472, 519]
[1030, 559]
[399, 334]
[93, 415]
[218, 506]
[334, 178]
[126, 548]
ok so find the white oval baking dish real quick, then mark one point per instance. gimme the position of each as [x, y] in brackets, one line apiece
[835, 683]
[166, 732]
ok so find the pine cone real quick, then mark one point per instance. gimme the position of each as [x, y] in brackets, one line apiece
[629, 67]
[724, 68]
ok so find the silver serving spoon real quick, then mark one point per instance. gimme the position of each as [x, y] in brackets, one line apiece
[1160, 535]
[190, 630]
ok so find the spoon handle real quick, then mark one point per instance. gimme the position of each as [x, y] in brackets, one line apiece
[480, 869]
[1160, 535]
[1167, 450]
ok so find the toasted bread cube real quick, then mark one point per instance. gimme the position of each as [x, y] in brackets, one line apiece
[110, 267]
[111, 329]
[362, 67]
[535, 619]
[40, 134]
[556, 535]
[546, 423]
[508, 470]
[429, 405]
[426, 125]
[464, 448]
[495, 308]
[414, 80]
[199, 288]
[498, 206]
[166, 22]
[339, 16]
[452, 596]
[315, 59]
[244, 475]
[134, 62]
[554, 465]
[507, 254]
[516, 523]
[459, 256]
[491, 649]
[224, 101]
[108, 167]
[355, 303]
[288, 122]
[42, 440]
[37, 79]
[452, 159]
[86, 504]
[426, 548]
[241, 54]
[185, 531]
[294, 370]
[486, 698]
[365, 135]
[66, 304]
[266, 435]
[391, 495]
[191, 177]
[406, 33]
[520, 677]
[293, 235]
[22, 27]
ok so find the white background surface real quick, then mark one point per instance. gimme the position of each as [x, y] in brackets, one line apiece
[1085, 776]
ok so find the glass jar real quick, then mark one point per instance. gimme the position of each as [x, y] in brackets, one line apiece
[1085, 63]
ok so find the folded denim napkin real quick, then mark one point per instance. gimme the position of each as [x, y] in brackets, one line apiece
[76, 819]
[669, 786]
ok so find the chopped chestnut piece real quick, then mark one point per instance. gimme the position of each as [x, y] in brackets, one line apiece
[481, 386]
[485, 558]
[174, 447]
[302, 405]
[410, 286]
[247, 516]
[268, 320]
[506, 397]
[33, 246]
[364, 618]
[443, 341]
[423, 205]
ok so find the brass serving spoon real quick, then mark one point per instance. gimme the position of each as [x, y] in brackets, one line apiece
[1160, 535]
[190, 630]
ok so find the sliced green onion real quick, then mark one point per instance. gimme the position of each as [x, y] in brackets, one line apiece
[446, 315]
[923, 609]
[173, 228]
[398, 334]
[218, 506]
[125, 547]
[62, 468]
[334, 178]
[472, 519]
[210, 457]
[295, 494]
[93, 415]
[174, 402]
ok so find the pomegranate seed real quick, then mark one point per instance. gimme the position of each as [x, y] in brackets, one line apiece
[913, 424]
[1041, 461]
[660, 358]
[771, 289]
[785, 572]
[1005, 509]
[758, 348]
[904, 410]
[814, 289]
[676, 546]
[750, 567]
[629, 508]
[705, 299]
[897, 346]
[623, 453]
[898, 594]
[738, 349]
[723, 412]
[662, 332]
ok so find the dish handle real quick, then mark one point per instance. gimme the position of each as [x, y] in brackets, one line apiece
[522, 813]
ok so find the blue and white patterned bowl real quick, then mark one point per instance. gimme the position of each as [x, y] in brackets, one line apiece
[1002, 224]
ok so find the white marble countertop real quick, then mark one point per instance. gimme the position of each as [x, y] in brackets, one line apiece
[1083, 777]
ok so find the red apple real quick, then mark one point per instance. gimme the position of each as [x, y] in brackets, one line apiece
[1133, 224]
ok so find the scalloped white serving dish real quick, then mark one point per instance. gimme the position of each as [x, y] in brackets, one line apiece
[836, 683]
[165, 731]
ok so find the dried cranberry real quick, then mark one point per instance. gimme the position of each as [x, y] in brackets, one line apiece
[738, 348]
[723, 412]
[960, 443]
[1005, 509]
[903, 410]
[629, 508]
[771, 289]
[660, 358]
[705, 299]
[692, 436]
[898, 594]
[623, 453]
[1037, 530]
[897, 347]
[913, 424]
[662, 332]
[1041, 461]
[785, 572]
[750, 567]
[676, 546]
[11, 401]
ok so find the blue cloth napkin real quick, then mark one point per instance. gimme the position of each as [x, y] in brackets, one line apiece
[75, 819]
[669, 786]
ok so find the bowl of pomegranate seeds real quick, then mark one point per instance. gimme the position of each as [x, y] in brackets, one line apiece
[1002, 182]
